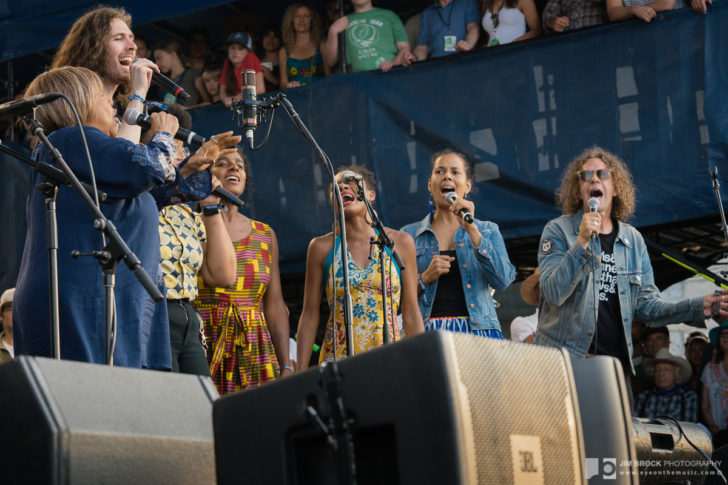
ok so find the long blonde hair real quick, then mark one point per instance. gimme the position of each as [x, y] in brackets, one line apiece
[81, 85]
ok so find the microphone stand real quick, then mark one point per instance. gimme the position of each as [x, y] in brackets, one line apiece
[383, 241]
[280, 99]
[716, 188]
[114, 251]
[49, 188]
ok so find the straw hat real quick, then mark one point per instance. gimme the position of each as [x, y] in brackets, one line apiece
[527, 289]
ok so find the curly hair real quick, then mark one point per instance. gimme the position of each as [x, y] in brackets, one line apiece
[568, 196]
[85, 44]
[289, 32]
[82, 86]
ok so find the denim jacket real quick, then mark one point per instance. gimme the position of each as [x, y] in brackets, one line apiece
[569, 307]
[481, 268]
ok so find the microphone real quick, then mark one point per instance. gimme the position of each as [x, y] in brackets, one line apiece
[250, 110]
[168, 85]
[134, 117]
[228, 196]
[20, 107]
[348, 177]
[593, 204]
[451, 197]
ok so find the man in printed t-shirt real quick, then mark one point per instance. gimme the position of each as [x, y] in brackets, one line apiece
[375, 39]
[596, 274]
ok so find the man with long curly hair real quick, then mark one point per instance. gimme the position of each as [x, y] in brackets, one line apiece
[101, 40]
[596, 274]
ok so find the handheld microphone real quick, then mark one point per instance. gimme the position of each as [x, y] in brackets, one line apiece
[228, 196]
[134, 117]
[20, 107]
[159, 79]
[250, 110]
[593, 204]
[348, 177]
[451, 197]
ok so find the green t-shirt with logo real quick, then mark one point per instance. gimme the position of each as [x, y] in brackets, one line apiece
[371, 38]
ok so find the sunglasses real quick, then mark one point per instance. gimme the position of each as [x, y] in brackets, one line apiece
[587, 175]
[496, 21]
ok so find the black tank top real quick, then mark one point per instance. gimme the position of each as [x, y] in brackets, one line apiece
[450, 296]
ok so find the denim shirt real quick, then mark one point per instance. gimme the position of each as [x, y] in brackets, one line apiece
[569, 308]
[481, 268]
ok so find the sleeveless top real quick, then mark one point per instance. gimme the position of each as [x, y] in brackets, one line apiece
[240, 350]
[366, 299]
[306, 70]
[511, 25]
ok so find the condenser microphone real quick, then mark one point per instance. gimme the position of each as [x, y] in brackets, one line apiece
[250, 108]
[451, 197]
[228, 196]
[21, 107]
[134, 117]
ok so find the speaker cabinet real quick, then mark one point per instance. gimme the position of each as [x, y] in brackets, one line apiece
[438, 408]
[606, 421]
[67, 422]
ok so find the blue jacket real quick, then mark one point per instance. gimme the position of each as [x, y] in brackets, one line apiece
[481, 268]
[569, 308]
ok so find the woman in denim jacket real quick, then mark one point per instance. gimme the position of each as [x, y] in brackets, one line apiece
[595, 270]
[458, 262]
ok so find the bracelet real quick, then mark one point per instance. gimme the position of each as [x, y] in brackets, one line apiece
[420, 282]
[286, 367]
[211, 210]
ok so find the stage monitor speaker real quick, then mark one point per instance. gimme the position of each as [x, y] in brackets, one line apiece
[622, 449]
[438, 408]
[606, 420]
[665, 455]
[67, 422]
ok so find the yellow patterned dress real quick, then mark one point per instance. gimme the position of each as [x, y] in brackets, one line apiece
[366, 298]
[240, 349]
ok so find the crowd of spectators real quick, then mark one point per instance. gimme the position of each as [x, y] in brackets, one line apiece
[309, 45]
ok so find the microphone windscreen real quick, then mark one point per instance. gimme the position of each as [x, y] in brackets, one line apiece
[593, 204]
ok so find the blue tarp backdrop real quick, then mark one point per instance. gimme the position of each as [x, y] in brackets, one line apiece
[655, 94]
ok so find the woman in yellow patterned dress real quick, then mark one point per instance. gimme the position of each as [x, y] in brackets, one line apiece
[365, 282]
[244, 347]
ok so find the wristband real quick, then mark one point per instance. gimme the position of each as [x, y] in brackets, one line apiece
[420, 282]
[286, 367]
[211, 210]
[136, 96]
[161, 106]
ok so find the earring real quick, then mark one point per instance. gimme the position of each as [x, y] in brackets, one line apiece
[432, 207]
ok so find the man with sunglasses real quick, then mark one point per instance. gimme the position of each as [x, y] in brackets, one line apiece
[596, 274]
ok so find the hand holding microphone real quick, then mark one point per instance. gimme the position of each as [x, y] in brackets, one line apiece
[218, 194]
[133, 117]
[591, 222]
[143, 71]
[452, 199]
